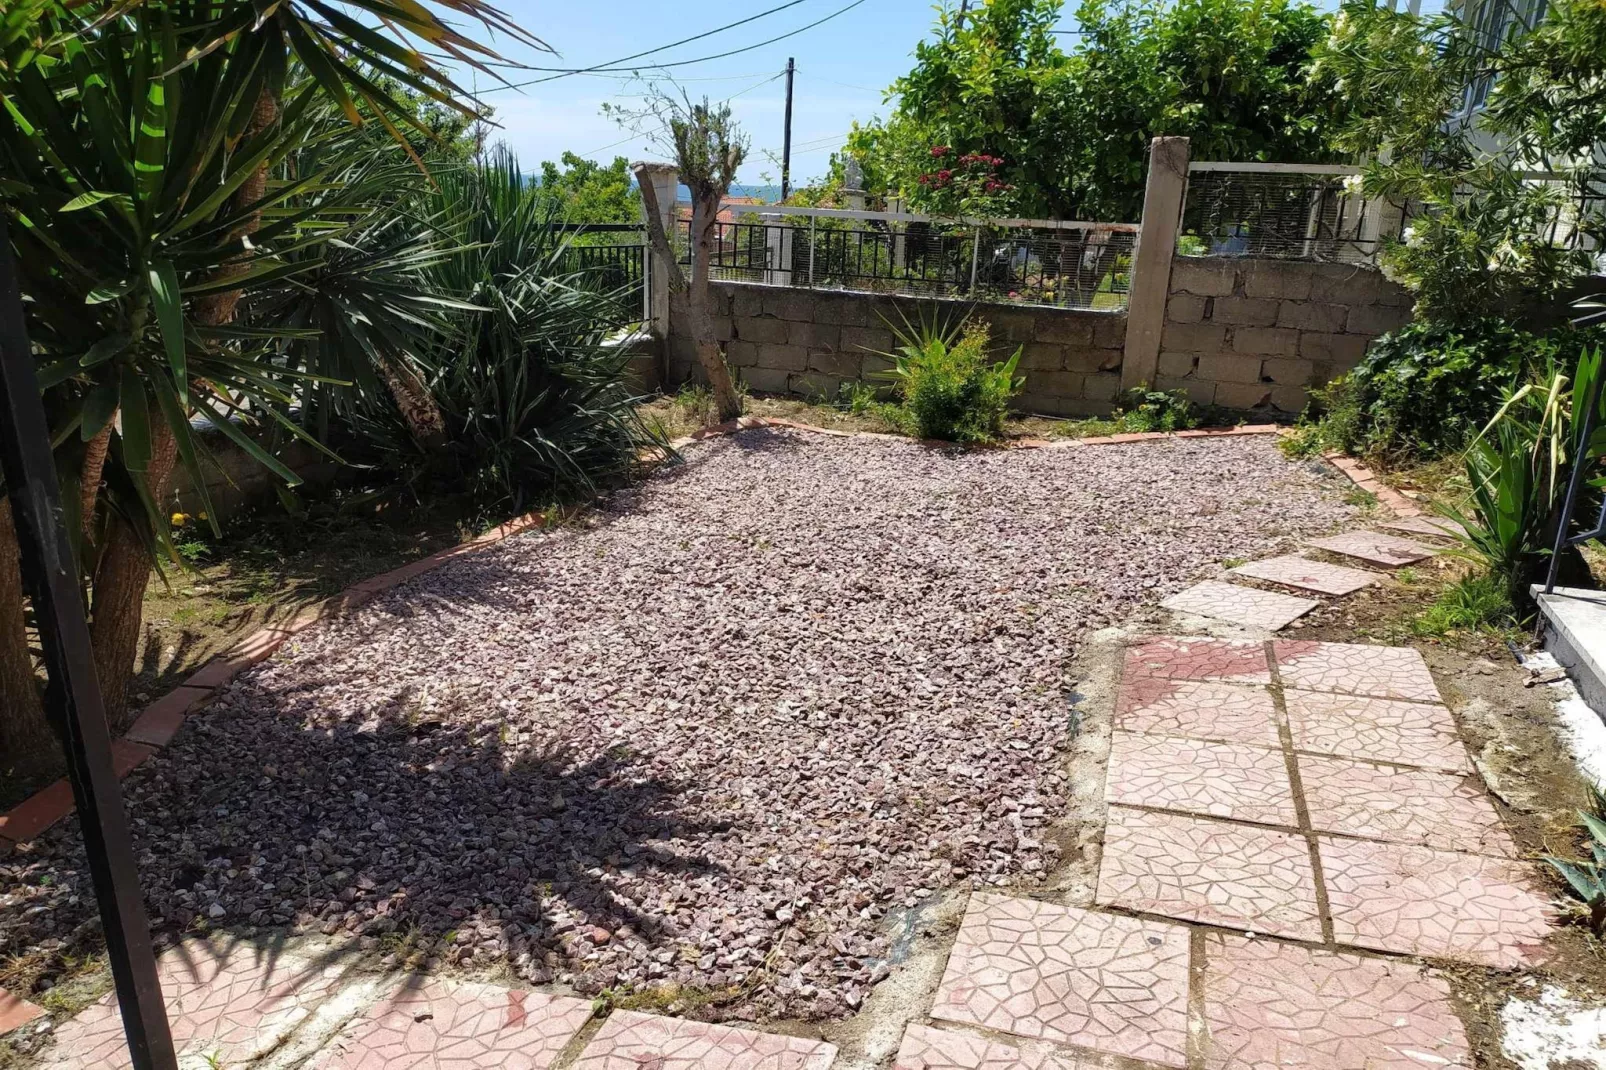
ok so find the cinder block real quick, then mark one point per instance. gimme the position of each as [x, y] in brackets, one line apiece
[724, 329]
[745, 301]
[1109, 330]
[814, 386]
[1178, 365]
[1011, 325]
[766, 380]
[1349, 284]
[1276, 341]
[1289, 399]
[1186, 308]
[814, 335]
[783, 357]
[790, 304]
[1193, 337]
[846, 310]
[1288, 371]
[1199, 391]
[1377, 319]
[1284, 279]
[1055, 384]
[1092, 361]
[1042, 357]
[1067, 328]
[1101, 387]
[739, 354]
[1243, 395]
[840, 365]
[1229, 368]
[760, 329]
[1310, 316]
[862, 339]
[1205, 276]
[1245, 311]
[1046, 404]
[1342, 350]
[874, 365]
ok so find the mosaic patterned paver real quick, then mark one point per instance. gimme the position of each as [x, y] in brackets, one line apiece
[1375, 548]
[1218, 779]
[1247, 606]
[1417, 900]
[1432, 527]
[1354, 669]
[1231, 661]
[1199, 710]
[1406, 733]
[221, 1004]
[926, 1048]
[1294, 571]
[630, 1040]
[440, 1025]
[1112, 984]
[1270, 1005]
[1402, 806]
[1199, 869]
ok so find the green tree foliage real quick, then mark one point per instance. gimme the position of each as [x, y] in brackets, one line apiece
[1073, 128]
[584, 191]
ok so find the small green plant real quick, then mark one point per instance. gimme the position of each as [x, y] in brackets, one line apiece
[949, 389]
[1141, 409]
[1363, 499]
[1477, 602]
[858, 399]
[1587, 877]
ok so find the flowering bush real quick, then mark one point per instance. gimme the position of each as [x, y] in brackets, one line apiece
[965, 185]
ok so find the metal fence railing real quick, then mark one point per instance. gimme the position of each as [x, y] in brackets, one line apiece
[1034, 262]
[613, 257]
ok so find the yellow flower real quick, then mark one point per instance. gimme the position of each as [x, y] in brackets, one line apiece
[179, 519]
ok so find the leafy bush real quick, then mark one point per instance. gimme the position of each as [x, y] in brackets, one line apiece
[949, 389]
[1141, 409]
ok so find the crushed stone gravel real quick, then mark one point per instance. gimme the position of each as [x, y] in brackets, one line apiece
[711, 740]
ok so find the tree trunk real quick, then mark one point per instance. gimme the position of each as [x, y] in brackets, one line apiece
[23, 728]
[415, 403]
[699, 313]
[121, 576]
[89, 485]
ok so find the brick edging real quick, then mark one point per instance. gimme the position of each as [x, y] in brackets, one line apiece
[16, 1012]
[1364, 478]
[746, 423]
[158, 722]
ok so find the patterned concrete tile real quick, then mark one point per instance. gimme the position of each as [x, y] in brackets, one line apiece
[1247, 606]
[1375, 548]
[1353, 669]
[1270, 1005]
[1198, 709]
[926, 1048]
[1232, 661]
[1294, 571]
[441, 1025]
[1402, 806]
[1432, 527]
[226, 1003]
[1113, 984]
[16, 1012]
[1217, 779]
[1210, 871]
[1417, 900]
[630, 1040]
[1383, 730]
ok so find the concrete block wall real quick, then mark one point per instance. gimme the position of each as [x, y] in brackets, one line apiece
[807, 343]
[1258, 334]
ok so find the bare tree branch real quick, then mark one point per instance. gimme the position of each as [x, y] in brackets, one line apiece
[655, 230]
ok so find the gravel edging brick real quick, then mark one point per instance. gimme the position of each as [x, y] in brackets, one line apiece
[160, 721]
[1364, 478]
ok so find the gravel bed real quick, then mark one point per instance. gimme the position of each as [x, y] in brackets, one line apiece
[715, 737]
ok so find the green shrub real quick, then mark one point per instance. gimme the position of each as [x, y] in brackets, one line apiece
[1141, 409]
[1477, 602]
[949, 389]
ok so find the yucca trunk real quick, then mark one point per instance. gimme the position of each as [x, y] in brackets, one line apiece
[23, 728]
[415, 403]
[95, 451]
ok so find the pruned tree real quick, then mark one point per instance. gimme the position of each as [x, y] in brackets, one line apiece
[708, 150]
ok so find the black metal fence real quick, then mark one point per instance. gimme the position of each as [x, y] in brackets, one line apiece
[612, 257]
[1284, 215]
[1060, 265]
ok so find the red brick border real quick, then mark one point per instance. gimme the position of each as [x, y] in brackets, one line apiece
[158, 722]
[745, 423]
[16, 1012]
[1364, 478]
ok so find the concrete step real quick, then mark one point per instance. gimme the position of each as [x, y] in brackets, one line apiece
[1575, 632]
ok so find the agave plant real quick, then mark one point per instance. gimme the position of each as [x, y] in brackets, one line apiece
[1587, 877]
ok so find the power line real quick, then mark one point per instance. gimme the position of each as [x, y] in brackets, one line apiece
[688, 62]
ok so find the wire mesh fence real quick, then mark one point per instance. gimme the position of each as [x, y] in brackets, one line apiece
[1064, 265]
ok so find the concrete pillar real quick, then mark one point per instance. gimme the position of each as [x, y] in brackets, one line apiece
[1151, 263]
[665, 179]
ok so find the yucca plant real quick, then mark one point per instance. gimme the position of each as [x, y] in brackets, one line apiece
[948, 387]
[1587, 877]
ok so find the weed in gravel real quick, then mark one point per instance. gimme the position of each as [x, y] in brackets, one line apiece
[1476, 602]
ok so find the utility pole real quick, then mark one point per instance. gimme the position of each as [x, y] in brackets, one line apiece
[786, 140]
[964, 6]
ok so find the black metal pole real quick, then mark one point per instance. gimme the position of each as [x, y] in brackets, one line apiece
[786, 140]
[72, 693]
[1579, 445]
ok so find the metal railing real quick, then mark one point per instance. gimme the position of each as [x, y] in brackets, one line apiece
[1283, 211]
[612, 257]
[1024, 261]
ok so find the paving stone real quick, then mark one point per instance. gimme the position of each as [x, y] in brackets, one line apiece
[1373, 729]
[630, 1040]
[1422, 901]
[928, 1048]
[1292, 570]
[1236, 661]
[224, 1004]
[1247, 606]
[16, 1012]
[1217, 779]
[1402, 806]
[1432, 527]
[1210, 871]
[1354, 669]
[1270, 1005]
[1375, 548]
[1112, 984]
[1197, 709]
[442, 1024]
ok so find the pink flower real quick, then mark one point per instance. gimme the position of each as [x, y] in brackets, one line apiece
[939, 151]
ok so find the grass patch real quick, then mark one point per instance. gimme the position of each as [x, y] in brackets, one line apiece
[1475, 602]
